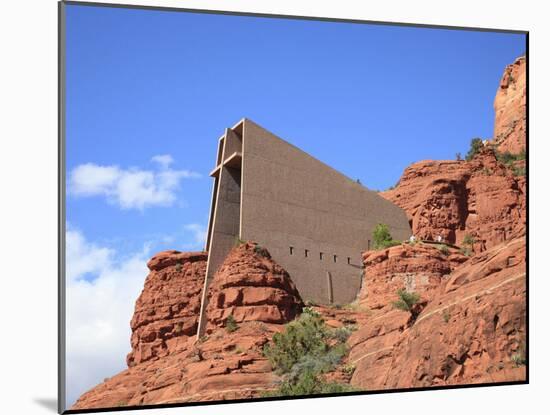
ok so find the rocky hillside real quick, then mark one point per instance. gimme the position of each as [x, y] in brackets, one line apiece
[419, 268]
[471, 328]
[510, 108]
[482, 198]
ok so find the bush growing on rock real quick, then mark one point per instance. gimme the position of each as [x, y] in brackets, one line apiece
[349, 369]
[519, 358]
[446, 315]
[382, 238]
[468, 241]
[518, 171]
[261, 251]
[406, 300]
[508, 158]
[309, 383]
[303, 351]
[475, 147]
[444, 249]
[231, 324]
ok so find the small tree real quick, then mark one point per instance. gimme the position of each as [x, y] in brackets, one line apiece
[305, 350]
[231, 324]
[406, 300]
[458, 156]
[444, 249]
[468, 241]
[475, 146]
[382, 237]
[468, 244]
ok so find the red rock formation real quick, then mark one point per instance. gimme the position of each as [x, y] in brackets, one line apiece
[250, 286]
[168, 365]
[418, 267]
[166, 312]
[454, 198]
[510, 108]
[472, 331]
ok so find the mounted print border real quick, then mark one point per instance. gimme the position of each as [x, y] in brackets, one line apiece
[221, 235]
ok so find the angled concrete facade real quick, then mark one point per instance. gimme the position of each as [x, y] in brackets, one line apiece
[314, 221]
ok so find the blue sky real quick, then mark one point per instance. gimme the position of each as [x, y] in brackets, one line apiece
[150, 92]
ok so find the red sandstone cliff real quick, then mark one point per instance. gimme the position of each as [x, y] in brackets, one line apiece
[421, 268]
[510, 108]
[250, 286]
[472, 329]
[481, 198]
[166, 312]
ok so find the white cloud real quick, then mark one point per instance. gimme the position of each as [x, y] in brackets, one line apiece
[85, 258]
[98, 310]
[163, 159]
[198, 232]
[130, 188]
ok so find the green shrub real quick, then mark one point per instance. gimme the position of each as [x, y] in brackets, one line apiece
[230, 324]
[468, 239]
[261, 251]
[518, 171]
[444, 249]
[475, 147]
[519, 358]
[341, 334]
[308, 384]
[305, 336]
[467, 245]
[382, 238]
[349, 369]
[178, 267]
[446, 315]
[508, 158]
[303, 351]
[406, 300]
